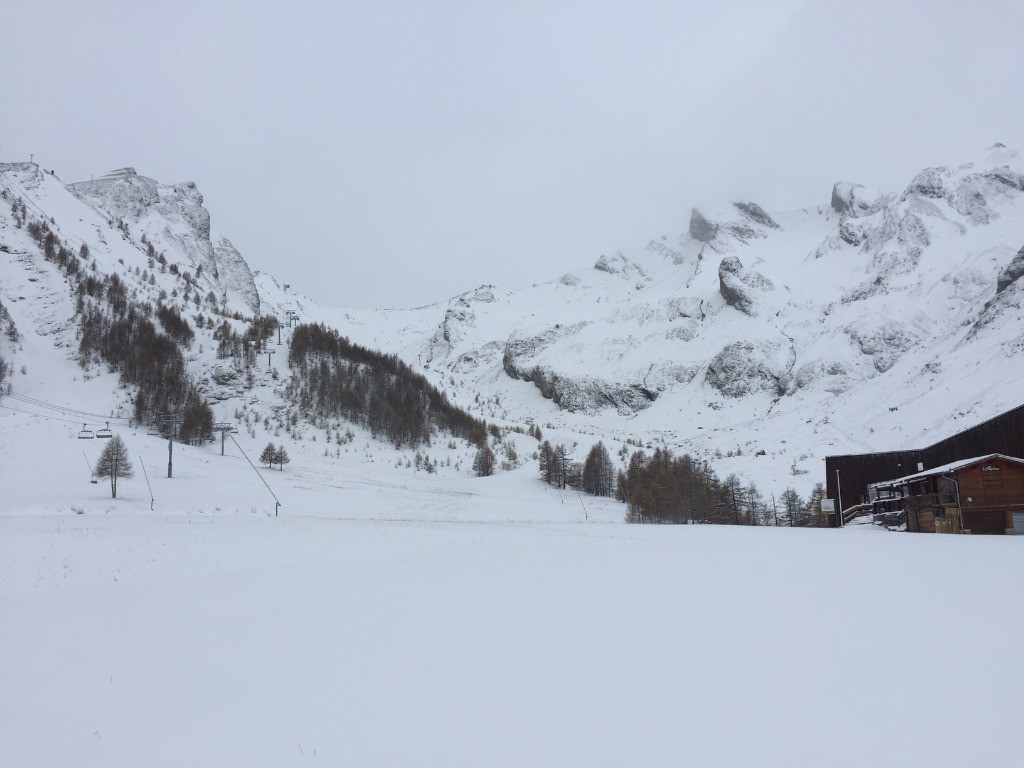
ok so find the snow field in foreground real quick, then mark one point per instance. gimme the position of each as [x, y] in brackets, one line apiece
[216, 640]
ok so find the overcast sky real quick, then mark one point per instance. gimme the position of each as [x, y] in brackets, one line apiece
[380, 154]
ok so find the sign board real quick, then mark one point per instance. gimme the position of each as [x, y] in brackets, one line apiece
[828, 506]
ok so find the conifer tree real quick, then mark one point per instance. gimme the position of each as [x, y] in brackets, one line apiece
[281, 457]
[598, 472]
[792, 506]
[269, 455]
[114, 463]
[484, 462]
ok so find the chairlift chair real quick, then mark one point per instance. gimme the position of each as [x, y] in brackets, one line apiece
[153, 432]
[105, 433]
[86, 434]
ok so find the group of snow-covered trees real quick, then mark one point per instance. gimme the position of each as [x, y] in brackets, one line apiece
[332, 377]
[596, 475]
[118, 330]
[244, 347]
[274, 454]
[663, 488]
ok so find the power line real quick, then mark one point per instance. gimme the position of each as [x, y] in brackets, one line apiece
[41, 415]
[64, 409]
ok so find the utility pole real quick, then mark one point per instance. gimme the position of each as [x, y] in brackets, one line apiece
[170, 455]
[171, 422]
[839, 496]
[223, 427]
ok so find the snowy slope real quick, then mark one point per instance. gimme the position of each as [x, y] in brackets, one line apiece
[875, 322]
[391, 618]
[870, 323]
[395, 615]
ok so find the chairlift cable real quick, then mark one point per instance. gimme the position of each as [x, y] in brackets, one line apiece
[41, 415]
[63, 408]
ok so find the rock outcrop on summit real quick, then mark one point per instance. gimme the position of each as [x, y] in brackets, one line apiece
[740, 287]
[700, 228]
[173, 219]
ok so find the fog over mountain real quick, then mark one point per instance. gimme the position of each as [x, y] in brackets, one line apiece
[454, 145]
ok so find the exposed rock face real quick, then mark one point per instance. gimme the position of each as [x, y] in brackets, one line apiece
[173, 218]
[457, 319]
[896, 244]
[700, 228]
[928, 183]
[884, 343]
[588, 394]
[739, 286]
[850, 233]
[233, 273]
[742, 368]
[756, 213]
[855, 201]
[663, 250]
[971, 195]
[1011, 273]
[828, 375]
[579, 394]
[187, 202]
[619, 265]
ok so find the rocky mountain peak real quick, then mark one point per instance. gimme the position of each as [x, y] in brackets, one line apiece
[173, 219]
[700, 228]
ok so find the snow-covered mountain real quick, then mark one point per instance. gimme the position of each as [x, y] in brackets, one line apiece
[401, 611]
[873, 321]
[870, 322]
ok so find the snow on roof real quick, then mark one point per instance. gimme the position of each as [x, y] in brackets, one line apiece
[952, 467]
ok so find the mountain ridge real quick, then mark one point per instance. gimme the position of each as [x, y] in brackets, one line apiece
[795, 333]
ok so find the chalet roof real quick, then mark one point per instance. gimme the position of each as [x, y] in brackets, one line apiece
[952, 467]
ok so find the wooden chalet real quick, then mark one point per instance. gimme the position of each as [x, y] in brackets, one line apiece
[980, 495]
[1002, 434]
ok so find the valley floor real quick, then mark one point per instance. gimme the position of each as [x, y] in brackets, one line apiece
[404, 636]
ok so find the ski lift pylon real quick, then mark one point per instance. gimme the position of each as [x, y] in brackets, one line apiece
[105, 433]
[86, 434]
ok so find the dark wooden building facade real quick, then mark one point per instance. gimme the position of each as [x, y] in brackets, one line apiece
[981, 495]
[847, 477]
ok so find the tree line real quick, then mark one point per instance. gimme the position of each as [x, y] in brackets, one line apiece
[332, 377]
[664, 488]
